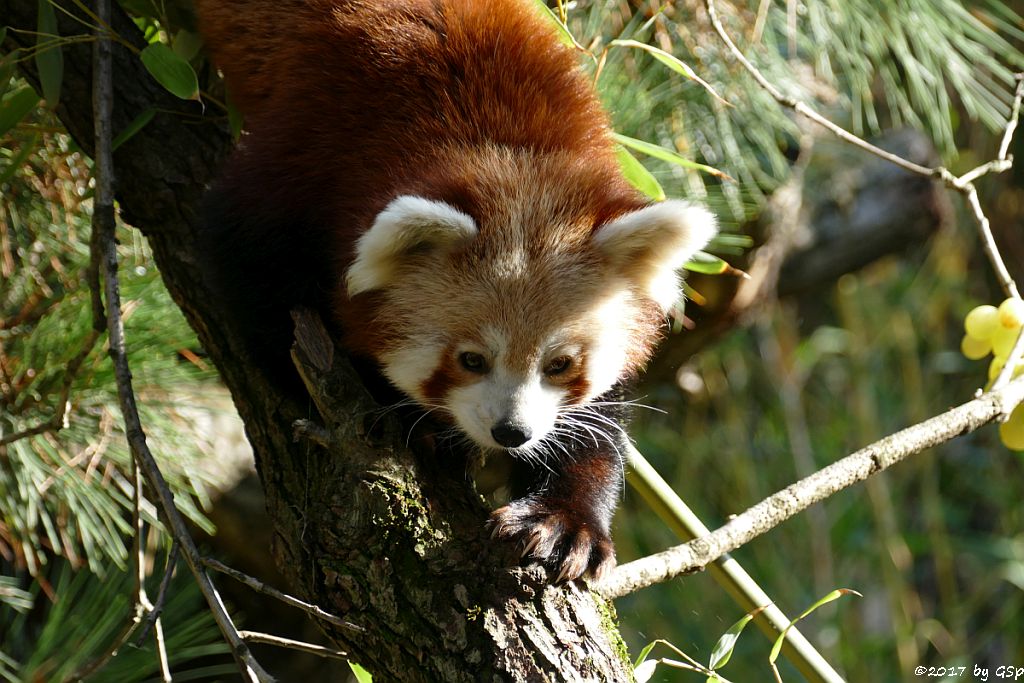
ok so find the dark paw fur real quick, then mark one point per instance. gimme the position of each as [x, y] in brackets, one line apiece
[563, 541]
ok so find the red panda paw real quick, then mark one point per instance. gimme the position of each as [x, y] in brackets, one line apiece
[562, 540]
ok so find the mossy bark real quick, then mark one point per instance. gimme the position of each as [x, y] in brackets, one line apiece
[362, 526]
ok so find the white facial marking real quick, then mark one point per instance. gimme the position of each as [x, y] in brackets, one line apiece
[504, 396]
[410, 366]
[407, 225]
[649, 245]
[610, 341]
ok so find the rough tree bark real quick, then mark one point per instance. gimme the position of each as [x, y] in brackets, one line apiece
[366, 529]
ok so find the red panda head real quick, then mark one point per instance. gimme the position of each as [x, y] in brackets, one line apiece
[508, 322]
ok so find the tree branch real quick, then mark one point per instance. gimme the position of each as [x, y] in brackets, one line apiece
[777, 508]
[963, 184]
[103, 226]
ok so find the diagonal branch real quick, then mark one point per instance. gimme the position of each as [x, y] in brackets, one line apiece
[964, 184]
[103, 240]
[777, 508]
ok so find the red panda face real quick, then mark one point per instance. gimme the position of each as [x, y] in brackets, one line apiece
[511, 327]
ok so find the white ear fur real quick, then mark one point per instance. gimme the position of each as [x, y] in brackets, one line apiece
[648, 246]
[408, 225]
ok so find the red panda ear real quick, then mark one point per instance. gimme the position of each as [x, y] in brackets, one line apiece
[406, 227]
[648, 246]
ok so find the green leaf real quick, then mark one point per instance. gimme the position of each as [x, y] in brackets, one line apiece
[235, 121]
[15, 106]
[727, 239]
[723, 648]
[137, 124]
[49, 60]
[171, 71]
[834, 595]
[672, 62]
[361, 674]
[563, 31]
[702, 262]
[7, 71]
[186, 44]
[639, 176]
[644, 652]
[666, 155]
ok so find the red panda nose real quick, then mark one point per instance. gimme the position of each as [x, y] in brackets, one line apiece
[510, 435]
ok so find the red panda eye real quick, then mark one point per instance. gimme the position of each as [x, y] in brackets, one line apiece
[473, 362]
[557, 366]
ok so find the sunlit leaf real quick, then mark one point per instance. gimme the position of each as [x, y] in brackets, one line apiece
[666, 155]
[644, 652]
[672, 62]
[563, 32]
[723, 648]
[834, 595]
[639, 176]
[171, 71]
[361, 674]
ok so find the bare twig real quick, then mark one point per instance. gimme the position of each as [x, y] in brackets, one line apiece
[153, 617]
[261, 587]
[964, 184]
[103, 230]
[268, 639]
[769, 513]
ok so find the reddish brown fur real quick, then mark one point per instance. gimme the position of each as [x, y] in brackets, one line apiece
[401, 98]
[349, 104]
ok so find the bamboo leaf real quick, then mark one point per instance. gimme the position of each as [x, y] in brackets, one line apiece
[672, 62]
[49, 60]
[834, 595]
[361, 674]
[563, 32]
[16, 106]
[171, 71]
[703, 262]
[644, 652]
[666, 155]
[137, 124]
[638, 176]
[186, 44]
[724, 647]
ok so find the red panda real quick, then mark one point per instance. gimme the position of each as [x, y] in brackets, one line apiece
[438, 178]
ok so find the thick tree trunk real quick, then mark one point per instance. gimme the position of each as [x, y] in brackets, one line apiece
[362, 527]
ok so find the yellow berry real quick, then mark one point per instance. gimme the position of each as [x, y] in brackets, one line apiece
[1011, 313]
[1003, 341]
[982, 321]
[975, 349]
[1011, 432]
